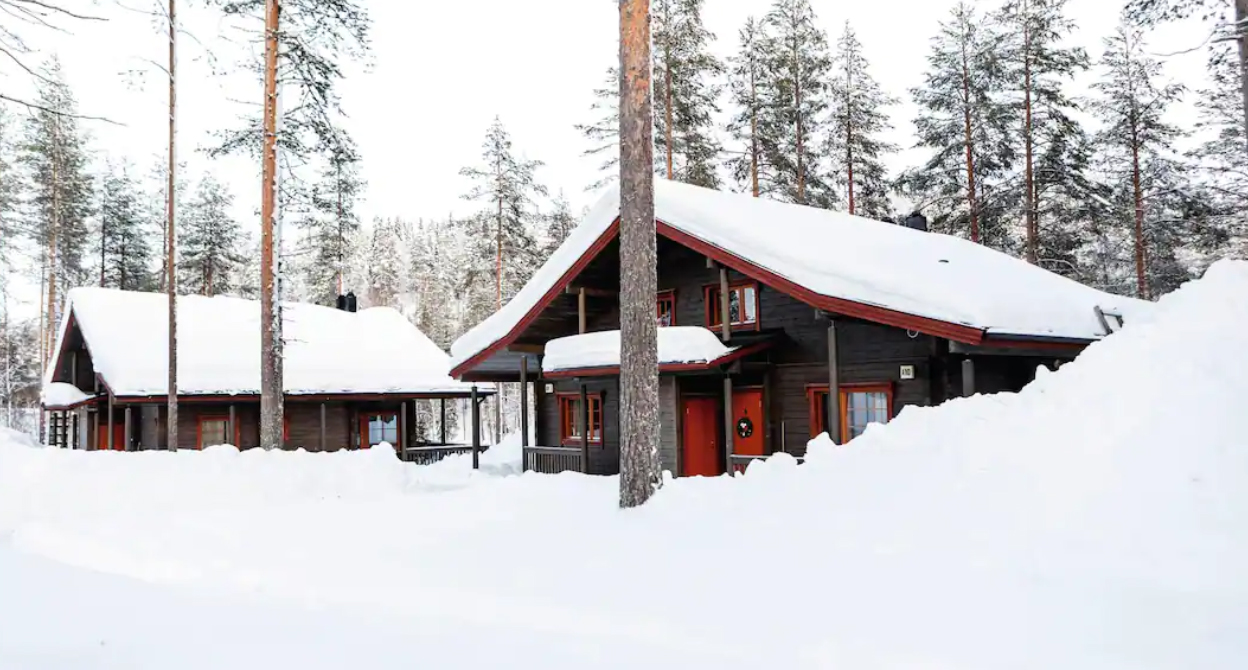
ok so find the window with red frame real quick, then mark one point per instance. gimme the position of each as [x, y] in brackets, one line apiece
[860, 406]
[570, 420]
[742, 305]
[378, 427]
[665, 308]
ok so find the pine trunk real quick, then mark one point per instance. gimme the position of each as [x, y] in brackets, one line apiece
[1033, 225]
[1241, 25]
[667, 98]
[1141, 275]
[797, 113]
[849, 131]
[754, 131]
[54, 227]
[639, 369]
[171, 268]
[498, 257]
[271, 410]
[971, 200]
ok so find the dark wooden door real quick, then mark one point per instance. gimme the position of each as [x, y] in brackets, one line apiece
[747, 423]
[699, 454]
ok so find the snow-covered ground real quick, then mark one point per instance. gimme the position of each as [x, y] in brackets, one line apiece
[1098, 519]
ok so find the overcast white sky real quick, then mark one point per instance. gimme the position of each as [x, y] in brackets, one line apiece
[441, 71]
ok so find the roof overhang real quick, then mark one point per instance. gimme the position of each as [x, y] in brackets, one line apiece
[701, 366]
[956, 332]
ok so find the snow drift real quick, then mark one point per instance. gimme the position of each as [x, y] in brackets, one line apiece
[1097, 519]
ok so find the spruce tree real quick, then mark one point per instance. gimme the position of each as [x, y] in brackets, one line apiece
[1222, 163]
[210, 241]
[386, 270]
[754, 126]
[965, 123]
[10, 185]
[686, 93]
[1134, 148]
[559, 224]
[329, 223]
[859, 118]
[799, 62]
[55, 155]
[603, 133]
[125, 253]
[1038, 66]
[505, 247]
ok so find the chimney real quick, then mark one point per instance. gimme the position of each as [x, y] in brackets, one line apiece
[916, 221]
[347, 303]
[350, 301]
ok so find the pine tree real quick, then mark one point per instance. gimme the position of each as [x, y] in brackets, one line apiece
[210, 240]
[799, 62]
[386, 270]
[55, 156]
[603, 133]
[125, 255]
[686, 93]
[330, 222]
[502, 232]
[1221, 161]
[1134, 148]
[559, 224]
[966, 124]
[752, 91]
[858, 120]
[1037, 66]
[10, 185]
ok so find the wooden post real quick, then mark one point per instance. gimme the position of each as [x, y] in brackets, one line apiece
[524, 400]
[442, 421]
[768, 442]
[729, 425]
[126, 430]
[73, 368]
[271, 369]
[584, 429]
[232, 436]
[75, 440]
[93, 431]
[833, 420]
[580, 311]
[403, 427]
[476, 430]
[324, 442]
[968, 377]
[726, 326]
[110, 422]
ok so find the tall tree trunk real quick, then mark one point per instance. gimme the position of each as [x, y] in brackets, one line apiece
[1241, 28]
[797, 113]
[103, 241]
[271, 390]
[639, 366]
[1033, 225]
[171, 238]
[753, 129]
[667, 94]
[341, 241]
[498, 257]
[1141, 275]
[971, 200]
[54, 221]
[849, 131]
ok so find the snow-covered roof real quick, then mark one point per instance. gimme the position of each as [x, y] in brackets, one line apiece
[59, 395]
[677, 345]
[327, 351]
[848, 260]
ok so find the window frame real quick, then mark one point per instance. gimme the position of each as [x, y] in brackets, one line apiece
[818, 422]
[201, 419]
[568, 418]
[365, 419]
[710, 293]
[669, 297]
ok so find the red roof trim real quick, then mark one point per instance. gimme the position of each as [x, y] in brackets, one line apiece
[536, 310]
[889, 317]
[612, 370]
[953, 331]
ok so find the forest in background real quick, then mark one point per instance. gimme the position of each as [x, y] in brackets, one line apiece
[1089, 186]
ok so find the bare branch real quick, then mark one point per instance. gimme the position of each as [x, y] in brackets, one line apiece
[54, 9]
[41, 108]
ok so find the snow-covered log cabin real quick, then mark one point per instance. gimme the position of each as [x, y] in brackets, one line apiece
[352, 379]
[765, 308]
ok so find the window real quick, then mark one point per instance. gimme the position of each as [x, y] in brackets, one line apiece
[378, 427]
[861, 405]
[213, 430]
[570, 418]
[742, 305]
[666, 308]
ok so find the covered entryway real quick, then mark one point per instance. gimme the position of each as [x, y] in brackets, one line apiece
[699, 451]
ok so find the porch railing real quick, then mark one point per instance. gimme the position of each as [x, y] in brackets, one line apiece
[426, 454]
[740, 462]
[552, 460]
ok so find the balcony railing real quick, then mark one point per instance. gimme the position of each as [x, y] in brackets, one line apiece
[740, 462]
[553, 460]
[427, 454]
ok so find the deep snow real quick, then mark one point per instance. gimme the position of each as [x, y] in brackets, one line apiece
[1097, 519]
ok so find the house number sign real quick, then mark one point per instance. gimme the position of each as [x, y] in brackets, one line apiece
[745, 427]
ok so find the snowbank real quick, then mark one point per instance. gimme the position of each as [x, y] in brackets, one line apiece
[677, 344]
[327, 350]
[1097, 519]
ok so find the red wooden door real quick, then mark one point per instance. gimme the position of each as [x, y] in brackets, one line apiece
[699, 453]
[119, 436]
[748, 423]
